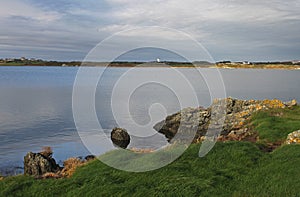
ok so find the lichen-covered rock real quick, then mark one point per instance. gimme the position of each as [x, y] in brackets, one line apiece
[36, 164]
[227, 115]
[187, 119]
[293, 138]
[120, 137]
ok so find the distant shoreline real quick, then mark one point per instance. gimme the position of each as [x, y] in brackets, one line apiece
[221, 65]
[269, 67]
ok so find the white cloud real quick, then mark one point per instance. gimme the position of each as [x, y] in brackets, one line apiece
[115, 28]
[17, 8]
[188, 13]
[225, 26]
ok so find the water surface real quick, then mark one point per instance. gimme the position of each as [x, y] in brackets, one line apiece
[36, 105]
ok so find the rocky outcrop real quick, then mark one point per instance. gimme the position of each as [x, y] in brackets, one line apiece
[37, 164]
[90, 158]
[293, 138]
[228, 116]
[120, 137]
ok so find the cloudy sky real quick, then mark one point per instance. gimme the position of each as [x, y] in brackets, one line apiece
[229, 29]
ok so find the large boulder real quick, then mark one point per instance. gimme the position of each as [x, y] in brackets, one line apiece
[120, 137]
[36, 164]
[186, 120]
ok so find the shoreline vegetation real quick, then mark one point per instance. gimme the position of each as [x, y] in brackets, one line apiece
[289, 65]
[236, 166]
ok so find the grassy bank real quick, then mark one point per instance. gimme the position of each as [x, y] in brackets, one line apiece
[275, 124]
[230, 169]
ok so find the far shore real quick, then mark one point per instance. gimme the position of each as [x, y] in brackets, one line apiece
[288, 65]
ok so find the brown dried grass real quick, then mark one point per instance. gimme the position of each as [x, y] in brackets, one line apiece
[70, 166]
[51, 175]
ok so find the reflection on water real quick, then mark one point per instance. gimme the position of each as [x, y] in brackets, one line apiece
[36, 105]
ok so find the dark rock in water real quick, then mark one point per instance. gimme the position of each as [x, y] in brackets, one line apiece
[90, 157]
[36, 164]
[120, 137]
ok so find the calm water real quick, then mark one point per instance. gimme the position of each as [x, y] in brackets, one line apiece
[36, 105]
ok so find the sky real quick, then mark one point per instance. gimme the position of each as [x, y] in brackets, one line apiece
[233, 30]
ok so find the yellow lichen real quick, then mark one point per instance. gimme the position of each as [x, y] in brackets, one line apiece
[275, 103]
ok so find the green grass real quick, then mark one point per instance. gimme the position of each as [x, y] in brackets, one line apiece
[12, 64]
[232, 168]
[277, 175]
[275, 124]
